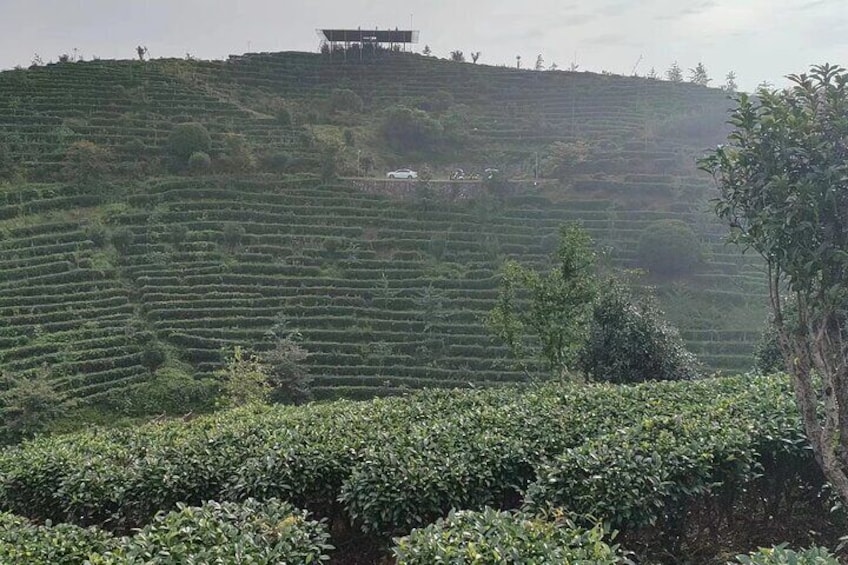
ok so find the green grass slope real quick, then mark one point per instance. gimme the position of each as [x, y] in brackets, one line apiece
[99, 282]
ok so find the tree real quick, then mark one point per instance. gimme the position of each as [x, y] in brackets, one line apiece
[540, 63]
[244, 379]
[730, 83]
[699, 75]
[475, 56]
[669, 248]
[783, 190]
[7, 163]
[427, 51]
[142, 52]
[238, 155]
[674, 73]
[86, 162]
[27, 406]
[188, 138]
[199, 162]
[518, 61]
[553, 66]
[407, 129]
[561, 157]
[457, 56]
[557, 305]
[629, 340]
[287, 375]
[652, 74]
[345, 100]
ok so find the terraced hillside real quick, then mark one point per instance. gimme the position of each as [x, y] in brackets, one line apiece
[105, 284]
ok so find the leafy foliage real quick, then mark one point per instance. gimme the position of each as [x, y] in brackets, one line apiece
[784, 192]
[407, 129]
[287, 376]
[86, 162]
[244, 379]
[199, 162]
[781, 555]
[188, 138]
[560, 158]
[501, 538]
[560, 302]
[266, 533]
[629, 341]
[345, 100]
[620, 453]
[62, 544]
[669, 248]
[27, 406]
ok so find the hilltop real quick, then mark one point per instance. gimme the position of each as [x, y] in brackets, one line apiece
[124, 289]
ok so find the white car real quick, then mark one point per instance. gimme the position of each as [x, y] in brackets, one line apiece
[402, 174]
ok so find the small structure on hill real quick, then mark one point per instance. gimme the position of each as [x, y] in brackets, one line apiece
[358, 41]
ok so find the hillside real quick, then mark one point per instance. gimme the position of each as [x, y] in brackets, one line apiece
[155, 272]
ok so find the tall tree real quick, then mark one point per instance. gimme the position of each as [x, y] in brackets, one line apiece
[783, 182]
[699, 75]
[475, 55]
[540, 63]
[457, 56]
[652, 74]
[427, 51]
[730, 83]
[518, 61]
[674, 73]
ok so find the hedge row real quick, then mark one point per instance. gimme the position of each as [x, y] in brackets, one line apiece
[266, 533]
[394, 464]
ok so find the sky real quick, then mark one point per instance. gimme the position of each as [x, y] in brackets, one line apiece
[759, 40]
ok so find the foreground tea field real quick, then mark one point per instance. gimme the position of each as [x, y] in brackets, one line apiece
[664, 463]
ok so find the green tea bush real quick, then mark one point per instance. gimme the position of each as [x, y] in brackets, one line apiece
[345, 100]
[188, 138]
[63, 544]
[669, 248]
[264, 533]
[780, 555]
[629, 341]
[199, 162]
[502, 538]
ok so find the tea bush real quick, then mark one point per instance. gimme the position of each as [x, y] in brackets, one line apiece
[501, 538]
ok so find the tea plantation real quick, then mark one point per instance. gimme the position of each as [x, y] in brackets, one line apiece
[681, 469]
[111, 282]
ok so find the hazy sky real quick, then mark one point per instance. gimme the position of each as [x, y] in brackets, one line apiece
[758, 39]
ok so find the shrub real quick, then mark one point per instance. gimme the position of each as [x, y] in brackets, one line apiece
[122, 239]
[669, 248]
[7, 165]
[238, 155]
[27, 406]
[630, 341]
[199, 162]
[494, 537]
[780, 555]
[283, 116]
[345, 100]
[288, 377]
[188, 138]
[86, 162]
[63, 544]
[244, 379]
[439, 101]
[276, 162]
[250, 532]
[406, 129]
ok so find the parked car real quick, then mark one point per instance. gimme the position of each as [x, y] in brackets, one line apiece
[402, 174]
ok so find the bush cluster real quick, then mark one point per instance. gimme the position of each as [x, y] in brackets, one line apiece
[266, 533]
[502, 538]
[395, 464]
